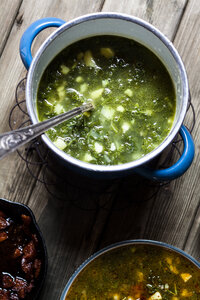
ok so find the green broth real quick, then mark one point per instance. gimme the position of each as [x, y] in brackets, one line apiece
[131, 90]
[137, 272]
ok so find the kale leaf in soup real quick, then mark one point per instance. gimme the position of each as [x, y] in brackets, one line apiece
[131, 90]
[137, 272]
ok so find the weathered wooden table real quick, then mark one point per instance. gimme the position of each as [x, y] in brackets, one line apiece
[90, 215]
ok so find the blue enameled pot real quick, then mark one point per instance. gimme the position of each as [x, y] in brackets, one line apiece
[120, 25]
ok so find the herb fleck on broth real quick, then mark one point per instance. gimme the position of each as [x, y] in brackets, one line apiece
[131, 90]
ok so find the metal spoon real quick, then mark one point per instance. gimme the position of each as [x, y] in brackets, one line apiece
[11, 141]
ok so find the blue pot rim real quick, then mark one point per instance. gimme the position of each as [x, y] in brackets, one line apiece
[117, 245]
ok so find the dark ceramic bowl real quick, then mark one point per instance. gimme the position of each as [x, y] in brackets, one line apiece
[15, 210]
[160, 245]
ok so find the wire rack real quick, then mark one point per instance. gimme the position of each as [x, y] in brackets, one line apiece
[61, 183]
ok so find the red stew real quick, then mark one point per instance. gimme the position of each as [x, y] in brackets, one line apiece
[20, 261]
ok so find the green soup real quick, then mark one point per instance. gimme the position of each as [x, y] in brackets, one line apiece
[130, 88]
[137, 272]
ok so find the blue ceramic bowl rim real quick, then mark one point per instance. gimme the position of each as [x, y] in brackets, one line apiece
[5, 204]
[117, 245]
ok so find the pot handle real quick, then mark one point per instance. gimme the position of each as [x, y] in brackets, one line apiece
[179, 168]
[29, 35]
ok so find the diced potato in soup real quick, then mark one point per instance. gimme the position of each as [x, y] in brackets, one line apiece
[156, 296]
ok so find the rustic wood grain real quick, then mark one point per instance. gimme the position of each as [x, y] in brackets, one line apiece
[83, 215]
[127, 217]
[71, 235]
[165, 15]
[16, 183]
[188, 44]
[8, 10]
[12, 71]
[192, 243]
[182, 206]
[172, 211]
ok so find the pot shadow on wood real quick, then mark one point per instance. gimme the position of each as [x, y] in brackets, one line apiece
[84, 205]
[88, 193]
[85, 214]
[76, 217]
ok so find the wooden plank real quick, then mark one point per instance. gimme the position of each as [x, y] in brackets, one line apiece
[192, 243]
[125, 218]
[165, 15]
[130, 212]
[185, 197]
[15, 181]
[188, 44]
[174, 210]
[169, 216]
[12, 71]
[8, 10]
[72, 234]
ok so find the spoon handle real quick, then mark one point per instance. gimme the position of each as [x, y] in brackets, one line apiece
[11, 141]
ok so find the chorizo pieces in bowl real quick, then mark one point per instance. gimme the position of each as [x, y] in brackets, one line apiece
[23, 263]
